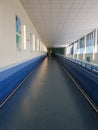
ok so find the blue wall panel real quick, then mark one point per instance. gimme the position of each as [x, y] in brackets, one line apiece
[11, 78]
[86, 79]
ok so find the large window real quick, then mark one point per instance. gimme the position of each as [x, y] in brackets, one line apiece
[68, 50]
[76, 47]
[72, 49]
[82, 45]
[90, 42]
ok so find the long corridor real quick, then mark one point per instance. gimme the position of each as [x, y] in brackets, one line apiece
[48, 100]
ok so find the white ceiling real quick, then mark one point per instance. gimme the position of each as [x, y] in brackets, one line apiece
[60, 22]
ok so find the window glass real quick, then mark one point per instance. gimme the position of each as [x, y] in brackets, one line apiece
[82, 42]
[90, 42]
[68, 50]
[81, 46]
[72, 49]
[75, 47]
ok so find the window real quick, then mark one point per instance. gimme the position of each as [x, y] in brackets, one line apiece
[76, 47]
[72, 49]
[82, 42]
[81, 48]
[90, 42]
[68, 50]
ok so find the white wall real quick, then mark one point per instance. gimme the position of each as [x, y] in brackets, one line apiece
[8, 53]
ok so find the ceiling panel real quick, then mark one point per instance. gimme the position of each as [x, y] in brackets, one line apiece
[60, 22]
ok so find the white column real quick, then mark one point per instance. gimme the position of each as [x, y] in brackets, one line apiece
[84, 48]
[95, 44]
[40, 45]
[37, 44]
[78, 45]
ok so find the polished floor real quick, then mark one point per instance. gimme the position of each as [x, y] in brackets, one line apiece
[48, 100]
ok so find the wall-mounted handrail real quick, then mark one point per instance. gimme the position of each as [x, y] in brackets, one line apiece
[84, 75]
[90, 66]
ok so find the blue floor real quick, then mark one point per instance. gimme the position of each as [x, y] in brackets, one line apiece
[48, 100]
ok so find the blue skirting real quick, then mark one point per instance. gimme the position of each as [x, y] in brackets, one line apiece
[85, 78]
[12, 77]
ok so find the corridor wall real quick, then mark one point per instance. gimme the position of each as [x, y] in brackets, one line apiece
[9, 54]
[85, 77]
[12, 78]
[19, 50]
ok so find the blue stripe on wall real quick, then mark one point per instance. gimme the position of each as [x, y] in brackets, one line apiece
[86, 79]
[10, 78]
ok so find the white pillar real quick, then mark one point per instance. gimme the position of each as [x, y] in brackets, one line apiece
[84, 48]
[95, 44]
[78, 46]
